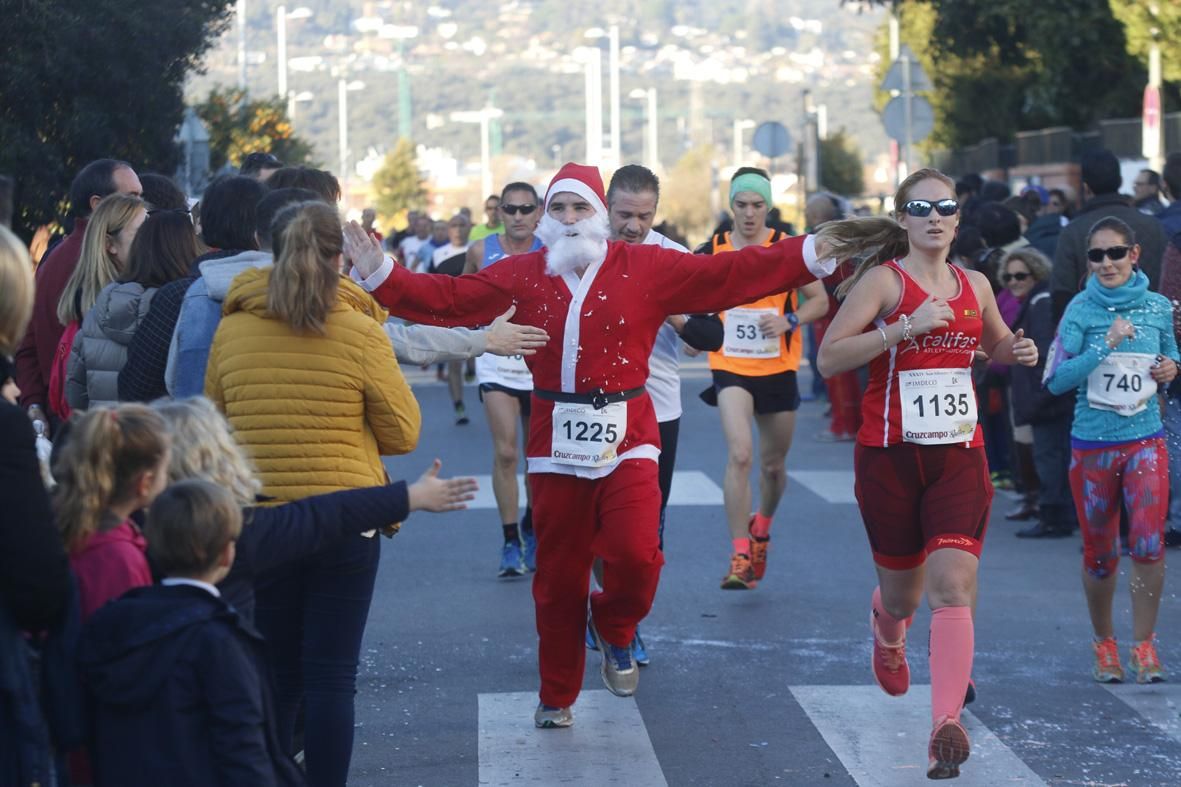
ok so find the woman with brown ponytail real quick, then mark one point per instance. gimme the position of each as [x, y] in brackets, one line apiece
[305, 374]
[921, 477]
[114, 462]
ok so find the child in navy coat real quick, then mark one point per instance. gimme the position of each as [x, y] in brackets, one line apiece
[175, 678]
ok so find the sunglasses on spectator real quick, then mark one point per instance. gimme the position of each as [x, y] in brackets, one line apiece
[181, 211]
[1008, 277]
[512, 210]
[1113, 253]
[921, 208]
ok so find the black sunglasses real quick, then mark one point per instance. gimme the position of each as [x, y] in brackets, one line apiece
[1111, 252]
[180, 211]
[1008, 277]
[921, 208]
[512, 210]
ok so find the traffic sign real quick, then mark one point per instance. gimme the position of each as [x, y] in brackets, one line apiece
[896, 77]
[922, 118]
[772, 139]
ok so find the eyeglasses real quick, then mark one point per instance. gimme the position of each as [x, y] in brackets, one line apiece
[1008, 277]
[524, 210]
[1113, 253]
[920, 208]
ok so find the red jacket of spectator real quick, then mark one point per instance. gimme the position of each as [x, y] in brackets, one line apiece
[34, 357]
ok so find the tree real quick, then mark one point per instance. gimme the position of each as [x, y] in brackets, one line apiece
[841, 169]
[239, 126]
[687, 190]
[90, 80]
[1148, 20]
[1002, 66]
[397, 186]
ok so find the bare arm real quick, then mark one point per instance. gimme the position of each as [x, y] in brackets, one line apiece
[474, 256]
[846, 346]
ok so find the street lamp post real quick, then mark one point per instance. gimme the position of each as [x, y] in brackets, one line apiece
[652, 127]
[282, 17]
[740, 125]
[343, 88]
[484, 117]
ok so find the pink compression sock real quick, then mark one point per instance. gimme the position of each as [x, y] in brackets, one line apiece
[890, 628]
[741, 546]
[760, 526]
[951, 649]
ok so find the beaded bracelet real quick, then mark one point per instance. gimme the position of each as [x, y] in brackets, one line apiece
[906, 334]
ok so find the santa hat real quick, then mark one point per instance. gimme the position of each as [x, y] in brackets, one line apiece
[584, 181]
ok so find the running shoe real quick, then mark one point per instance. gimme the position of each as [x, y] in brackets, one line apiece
[890, 668]
[529, 542]
[620, 674]
[1107, 666]
[512, 564]
[460, 414]
[639, 652]
[758, 555]
[549, 717]
[948, 750]
[1146, 663]
[741, 576]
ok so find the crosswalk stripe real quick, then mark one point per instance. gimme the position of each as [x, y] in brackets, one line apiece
[1158, 703]
[882, 741]
[835, 486]
[690, 488]
[608, 743]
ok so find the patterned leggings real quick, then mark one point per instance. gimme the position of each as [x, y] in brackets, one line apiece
[1098, 476]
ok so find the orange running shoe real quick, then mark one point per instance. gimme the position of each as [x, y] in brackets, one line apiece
[758, 555]
[948, 750]
[890, 668]
[1107, 666]
[741, 576]
[1146, 663]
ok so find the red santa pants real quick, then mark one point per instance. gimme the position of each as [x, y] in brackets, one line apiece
[616, 518]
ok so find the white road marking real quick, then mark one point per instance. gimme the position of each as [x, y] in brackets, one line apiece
[835, 486]
[608, 743]
[690, 488]
[882, 741]
[1158, 703]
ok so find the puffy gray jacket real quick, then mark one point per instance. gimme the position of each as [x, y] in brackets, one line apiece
[100, 349]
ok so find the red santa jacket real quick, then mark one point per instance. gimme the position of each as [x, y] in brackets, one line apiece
[603, 325]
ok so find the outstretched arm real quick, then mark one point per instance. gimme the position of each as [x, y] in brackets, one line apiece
[687, 283]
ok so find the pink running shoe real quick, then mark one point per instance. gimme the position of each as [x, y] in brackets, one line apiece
[890, 668]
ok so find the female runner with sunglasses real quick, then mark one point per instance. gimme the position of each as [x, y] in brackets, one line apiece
[921, 475]
[1117, 348]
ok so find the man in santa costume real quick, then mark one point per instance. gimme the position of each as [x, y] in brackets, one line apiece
[593, 440]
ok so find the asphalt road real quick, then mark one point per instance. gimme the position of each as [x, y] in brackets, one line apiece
[770, 686]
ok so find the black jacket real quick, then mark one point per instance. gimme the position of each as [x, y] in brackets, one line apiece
[1043, 234]
[277, 535]
[179, 694]
[1032, 403]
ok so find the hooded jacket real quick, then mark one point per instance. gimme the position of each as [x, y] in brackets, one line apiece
[100, 348]
[179, 694]
[316, 413]
[200, 314]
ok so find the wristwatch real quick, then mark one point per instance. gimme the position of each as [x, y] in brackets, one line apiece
[793, 321]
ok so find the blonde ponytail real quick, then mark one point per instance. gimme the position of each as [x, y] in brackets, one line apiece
[872, 241]
[305, 279]
[96, 267]
[106, 451]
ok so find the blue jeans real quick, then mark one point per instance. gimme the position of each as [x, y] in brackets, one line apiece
[313, 615]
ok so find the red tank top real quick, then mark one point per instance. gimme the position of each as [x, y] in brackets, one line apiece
[929, 395]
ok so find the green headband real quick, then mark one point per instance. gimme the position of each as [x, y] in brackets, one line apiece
[749, 181]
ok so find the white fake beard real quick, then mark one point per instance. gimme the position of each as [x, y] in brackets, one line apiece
[569, 247]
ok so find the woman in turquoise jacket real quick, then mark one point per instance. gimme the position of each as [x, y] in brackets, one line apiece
[1116, 347]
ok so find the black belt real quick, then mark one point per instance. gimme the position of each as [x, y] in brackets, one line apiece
[597, 398]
